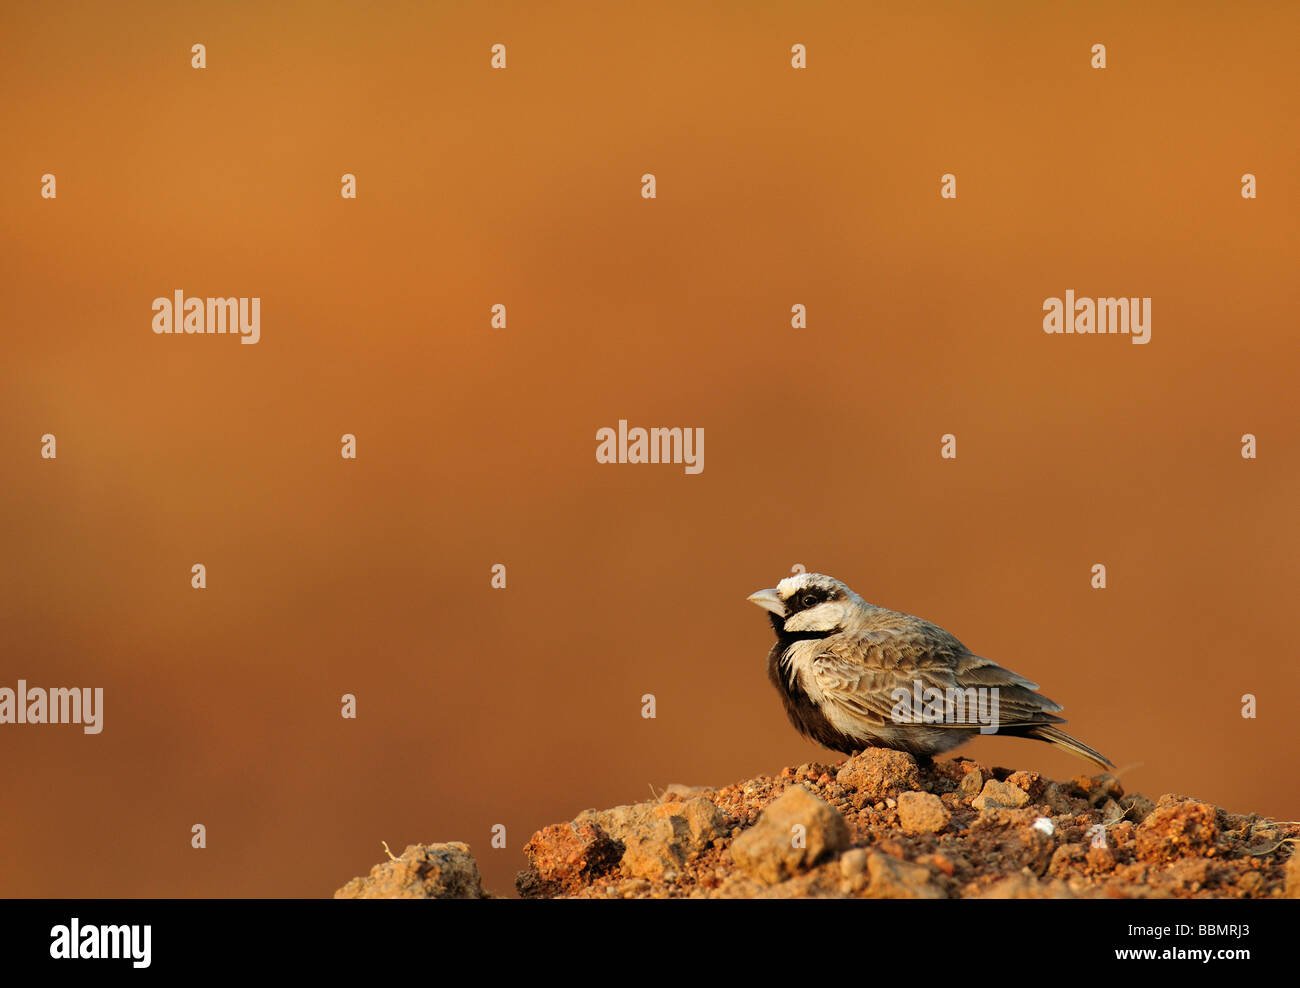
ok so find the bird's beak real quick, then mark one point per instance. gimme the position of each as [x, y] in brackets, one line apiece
[769, 601]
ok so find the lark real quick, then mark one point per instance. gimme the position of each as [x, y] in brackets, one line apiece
[842, 666]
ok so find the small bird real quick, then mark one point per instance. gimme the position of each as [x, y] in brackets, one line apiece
[854, 675]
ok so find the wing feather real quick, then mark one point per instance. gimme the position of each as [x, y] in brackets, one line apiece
[862, 676]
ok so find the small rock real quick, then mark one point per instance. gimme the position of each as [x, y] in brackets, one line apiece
[894, 879]
[424, 871]
[652, 858]
[944, 863]
[1067, 859]
[655, 838]
[1100, 787]
[1111, 811]
[773, 850]
[994, 817]
[1137, 807]
[877, 774]
[853, 862]
[1101, 859]
[996, 795]
[922, 811]
[1031, 782]
[1176, 826]
[704, 821]
[971, 783]
[617, 822]
[1061, 798]
[564, 857]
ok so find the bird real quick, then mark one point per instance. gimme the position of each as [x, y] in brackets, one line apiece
[853, 675]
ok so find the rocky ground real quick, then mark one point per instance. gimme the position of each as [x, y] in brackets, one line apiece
[880, 825]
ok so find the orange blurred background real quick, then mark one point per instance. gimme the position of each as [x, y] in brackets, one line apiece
[477, 445]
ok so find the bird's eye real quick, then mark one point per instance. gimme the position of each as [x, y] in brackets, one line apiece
[809, 600]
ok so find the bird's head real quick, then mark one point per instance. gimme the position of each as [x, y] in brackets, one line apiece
[808, 604]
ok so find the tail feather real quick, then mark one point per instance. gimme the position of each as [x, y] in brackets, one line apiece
[1052, 735]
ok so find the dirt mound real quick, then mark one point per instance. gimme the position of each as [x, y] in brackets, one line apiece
[880, 825]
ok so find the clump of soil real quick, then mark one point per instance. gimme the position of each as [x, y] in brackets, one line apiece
[880, 825]
[424, 871]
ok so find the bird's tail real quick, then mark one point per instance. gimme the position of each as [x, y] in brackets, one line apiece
[1052, 735]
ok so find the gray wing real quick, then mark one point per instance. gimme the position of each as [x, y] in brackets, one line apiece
[864, 674]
